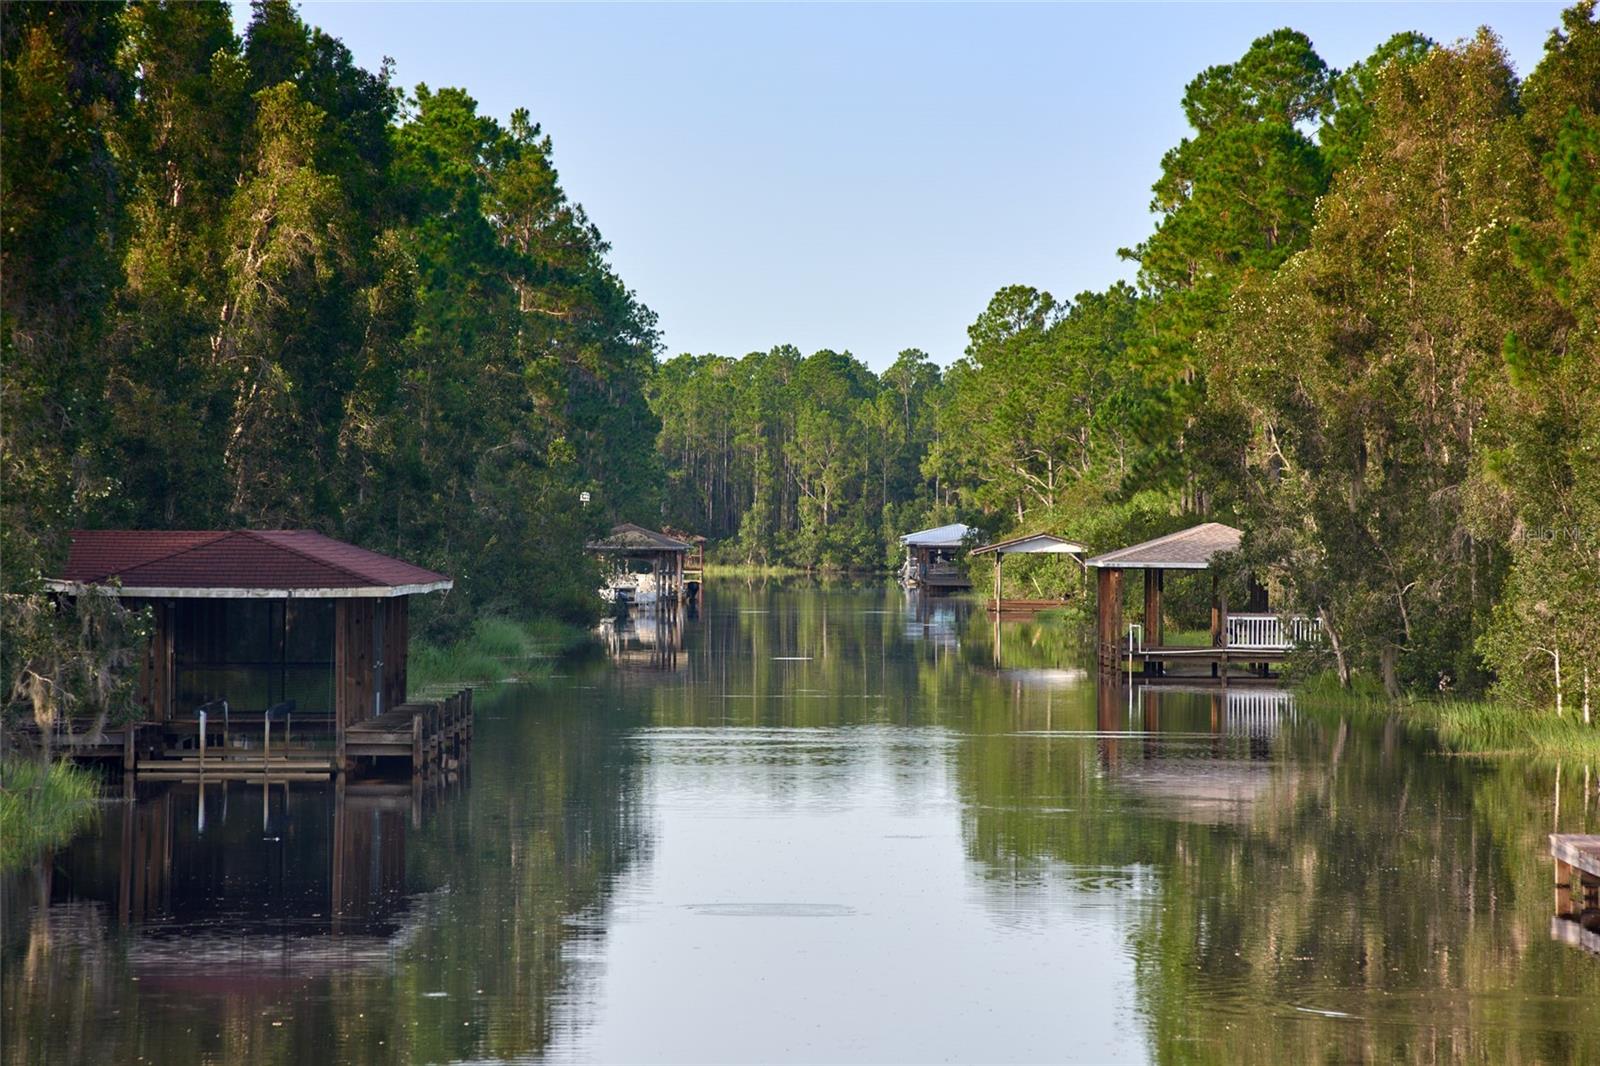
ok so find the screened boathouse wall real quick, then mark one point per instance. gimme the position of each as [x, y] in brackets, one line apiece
[254, 653]
[340, 659]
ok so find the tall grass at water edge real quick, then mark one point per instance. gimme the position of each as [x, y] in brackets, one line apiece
[497, 649]
[42, 806]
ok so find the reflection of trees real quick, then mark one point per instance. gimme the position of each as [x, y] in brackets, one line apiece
[1329, 869]
[844, 656]
[334, 941]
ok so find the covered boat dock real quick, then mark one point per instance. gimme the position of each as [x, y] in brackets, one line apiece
[271, 651]
[1031, 544]
[628, 544]
[931, 558]
[1255, 638]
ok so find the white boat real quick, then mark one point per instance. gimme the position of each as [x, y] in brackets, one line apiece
[631, 590]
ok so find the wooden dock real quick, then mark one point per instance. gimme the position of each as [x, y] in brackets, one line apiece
[1577, 883]
[428, 733]
[1011, 608]
[418, 736]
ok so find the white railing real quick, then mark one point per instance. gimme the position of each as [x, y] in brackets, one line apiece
[1257, 714]
[1270, 632]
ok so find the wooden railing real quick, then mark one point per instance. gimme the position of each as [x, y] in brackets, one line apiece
[1270, 632]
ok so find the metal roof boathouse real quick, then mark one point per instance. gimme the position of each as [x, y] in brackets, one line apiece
[254, 628]
[931, 556]
[1027, 544]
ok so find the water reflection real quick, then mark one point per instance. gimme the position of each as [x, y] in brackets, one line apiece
[646, 638]
[823, 823]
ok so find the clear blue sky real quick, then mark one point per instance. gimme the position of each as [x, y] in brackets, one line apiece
[861, 177]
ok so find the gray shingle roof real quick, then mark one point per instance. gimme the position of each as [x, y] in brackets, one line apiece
[628, 537]
[1187, 549]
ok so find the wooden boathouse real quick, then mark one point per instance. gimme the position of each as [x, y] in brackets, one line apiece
[1254, 638]
[1031, 544]
[931, 558]
[265, 638]
[665, 557]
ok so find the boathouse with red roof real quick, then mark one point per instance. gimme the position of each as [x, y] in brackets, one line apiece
[259, 618]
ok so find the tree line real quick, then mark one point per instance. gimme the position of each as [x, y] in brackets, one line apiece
[249, 283]
[1365, 329]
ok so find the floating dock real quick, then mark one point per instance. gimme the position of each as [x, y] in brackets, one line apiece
[1577, 883]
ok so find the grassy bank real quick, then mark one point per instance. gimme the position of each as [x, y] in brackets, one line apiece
[498, 649]
[1476, 727]
[42, 807]
[758, 570]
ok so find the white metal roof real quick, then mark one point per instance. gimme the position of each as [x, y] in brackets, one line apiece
[1036, 544]
[950, 536]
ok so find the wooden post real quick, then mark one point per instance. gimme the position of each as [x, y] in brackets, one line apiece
[1109, 608]
[416, 743]
[1216, 614]
[1154, 582]
[128, 732]
[997, 600]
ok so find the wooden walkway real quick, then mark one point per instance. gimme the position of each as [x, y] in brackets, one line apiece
[1577, 917]
[427, 733]
[419, 736]
[1024, 608]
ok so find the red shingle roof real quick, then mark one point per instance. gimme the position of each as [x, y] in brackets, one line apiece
[252, 561]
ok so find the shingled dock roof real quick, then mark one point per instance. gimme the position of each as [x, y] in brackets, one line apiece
[1187, 549]
[628, 537]
[233, 564]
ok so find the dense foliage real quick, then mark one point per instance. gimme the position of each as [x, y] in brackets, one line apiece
[248, 283]
[802, 460]
[1366, 330]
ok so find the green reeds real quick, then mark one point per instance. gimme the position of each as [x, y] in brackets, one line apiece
[42, 806]
[498, 649]
[1464, 726]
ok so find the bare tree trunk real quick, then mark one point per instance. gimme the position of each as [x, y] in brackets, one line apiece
[1341, 665]
[1388, 660]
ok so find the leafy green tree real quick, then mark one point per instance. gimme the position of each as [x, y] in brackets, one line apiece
[1539, 457]
[1363, 366]
[1236, 199]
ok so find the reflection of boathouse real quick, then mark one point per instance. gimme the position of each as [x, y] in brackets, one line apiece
[239, 890]
[258, 631]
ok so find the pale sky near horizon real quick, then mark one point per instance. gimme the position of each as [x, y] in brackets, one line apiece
[861, 177]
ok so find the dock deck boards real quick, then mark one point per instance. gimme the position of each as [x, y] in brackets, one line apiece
[1577, 917]
[1578, 851]
[422, 734]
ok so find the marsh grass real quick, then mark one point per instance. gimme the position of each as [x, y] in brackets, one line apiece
[42, 806]
[1464, 726]
[754, 570]
[498, 649]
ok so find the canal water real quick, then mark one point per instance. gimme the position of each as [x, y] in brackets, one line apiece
[826, 823]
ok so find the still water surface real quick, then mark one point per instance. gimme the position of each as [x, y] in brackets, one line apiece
[821, 824]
